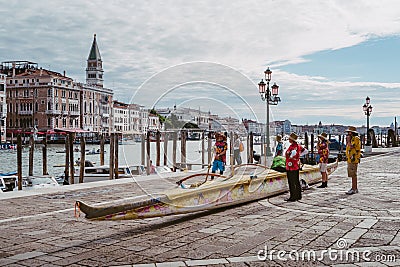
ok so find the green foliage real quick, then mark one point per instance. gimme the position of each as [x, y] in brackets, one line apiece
[160, 117]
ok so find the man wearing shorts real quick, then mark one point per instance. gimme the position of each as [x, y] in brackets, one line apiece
[353, 154]
[220, 148]
[323, 152]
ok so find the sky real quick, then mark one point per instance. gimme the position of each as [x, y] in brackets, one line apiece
[326, 56]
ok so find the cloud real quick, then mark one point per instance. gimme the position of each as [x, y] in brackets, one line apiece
[138, 39]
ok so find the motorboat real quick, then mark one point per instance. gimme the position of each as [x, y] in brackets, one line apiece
[37, 182]
[7, 181]
[102, 173]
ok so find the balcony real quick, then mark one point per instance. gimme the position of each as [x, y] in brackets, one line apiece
[25, 112]
[65, 113]
[74, 113]
[53, 112]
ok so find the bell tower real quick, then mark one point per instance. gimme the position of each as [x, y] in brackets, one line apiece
[94, 69]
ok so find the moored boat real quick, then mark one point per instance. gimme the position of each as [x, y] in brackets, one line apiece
[248, 183]
[7, 181]
[37, 182]
[102, 173]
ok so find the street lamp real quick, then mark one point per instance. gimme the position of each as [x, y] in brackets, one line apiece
[271, 98]
[367, 108]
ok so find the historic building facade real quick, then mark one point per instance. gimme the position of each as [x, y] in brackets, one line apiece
[3, 108]
[45, 100]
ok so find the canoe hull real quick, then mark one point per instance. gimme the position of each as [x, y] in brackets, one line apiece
[211, 195]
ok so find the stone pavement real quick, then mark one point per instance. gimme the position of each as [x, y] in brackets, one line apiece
[326, 228]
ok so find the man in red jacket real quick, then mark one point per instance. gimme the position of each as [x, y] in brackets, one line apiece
[293, 154]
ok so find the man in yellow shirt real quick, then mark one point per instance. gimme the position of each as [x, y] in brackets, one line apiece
[353, 154]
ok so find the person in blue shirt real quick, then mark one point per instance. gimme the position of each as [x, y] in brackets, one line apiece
[279, 146]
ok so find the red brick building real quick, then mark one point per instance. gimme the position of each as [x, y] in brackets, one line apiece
[45, 100]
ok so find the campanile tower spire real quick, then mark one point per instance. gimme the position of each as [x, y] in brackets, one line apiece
[94, 69]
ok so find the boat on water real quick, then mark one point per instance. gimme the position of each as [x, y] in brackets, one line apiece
[102, 173]
[37, 182]
[249, 182]
[94, 152]
[7, 181]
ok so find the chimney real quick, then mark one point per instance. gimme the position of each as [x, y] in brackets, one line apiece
[41, 71]
[13, 69]
[64, 73]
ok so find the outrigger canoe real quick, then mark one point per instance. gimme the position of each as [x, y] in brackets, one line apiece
[248, 183]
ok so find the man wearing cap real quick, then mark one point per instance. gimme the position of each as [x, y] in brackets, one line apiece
[353, 154]
[293, 154]
[323, 152]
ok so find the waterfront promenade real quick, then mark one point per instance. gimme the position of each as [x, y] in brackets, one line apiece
[41, 230]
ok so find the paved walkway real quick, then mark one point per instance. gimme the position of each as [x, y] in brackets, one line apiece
[325, 228]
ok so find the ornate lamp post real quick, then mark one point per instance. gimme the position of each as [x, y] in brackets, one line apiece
[367, 108]
[271, 98]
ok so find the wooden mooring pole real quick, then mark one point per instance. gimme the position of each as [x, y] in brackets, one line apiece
[209, 150]
[44, 156]
[183, 148]
[82, 160]
[66, 169]
[31, 152]
[158, 148]
[112, 154]
[148, 165]
[71, 158]
[166, 136]
[143, 149]
[174, 146]
[102, 149]
[251, 145]
[232, 159]
[116, 140]
[19, 161]
[202, 149]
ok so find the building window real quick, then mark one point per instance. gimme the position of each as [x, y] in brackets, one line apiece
[49, 122]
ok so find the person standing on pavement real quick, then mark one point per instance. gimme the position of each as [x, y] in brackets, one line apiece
[323, 152]
[237, 149]
[279, 146]
[293, 154]
[220, 149]
[353, 154]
